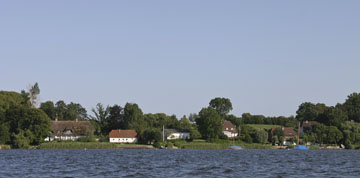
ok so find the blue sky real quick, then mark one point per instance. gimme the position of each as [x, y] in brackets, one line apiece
[175, 56]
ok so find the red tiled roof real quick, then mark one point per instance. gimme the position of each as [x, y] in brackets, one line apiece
[123, 134]
[289, 132]
[229, 125]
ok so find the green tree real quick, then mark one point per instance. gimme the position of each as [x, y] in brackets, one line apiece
[116, 118]
[209, 123]
[60, 109]
[333, 116]
[20, 141]
[34, 92]
[221, 105]
[4, 134]
[194, 133]
[49, 108]
[151, 136]
[133, 116]
[75, 111]
[274, 140]
[192, 117]
[23, 118]
[334, 135]
[320, 131]
[185, 124]
[310, 111]
[248, 138]
[261, 136]
[352, 107]
[101, 115]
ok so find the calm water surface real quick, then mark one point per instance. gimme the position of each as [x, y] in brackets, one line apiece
[179, 163]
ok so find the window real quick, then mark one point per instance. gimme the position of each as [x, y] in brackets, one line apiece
[227, 128]
[232, 128]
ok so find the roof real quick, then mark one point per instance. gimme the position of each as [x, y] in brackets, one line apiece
[288, 131]
[308, 124]
[123, 134]
[175, 131]
[229, 125]
[70, 128]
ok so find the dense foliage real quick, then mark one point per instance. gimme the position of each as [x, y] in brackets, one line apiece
[21, 124]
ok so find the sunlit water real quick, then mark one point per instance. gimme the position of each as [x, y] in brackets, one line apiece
[179, 163]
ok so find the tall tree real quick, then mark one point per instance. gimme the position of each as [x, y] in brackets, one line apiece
[209, 123]
[116, 118]
[60, 108]
[185, 124]
[101, 115]
[310, 111]
[352, 107]
[49, 108]
[75, 111]
[34, 92]
[222, 105]
[133, 116]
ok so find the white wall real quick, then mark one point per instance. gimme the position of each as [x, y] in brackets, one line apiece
[122, 140]
[52, 138]
[174, 136]
[230, 134]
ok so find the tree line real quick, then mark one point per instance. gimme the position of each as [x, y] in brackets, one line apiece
[23, 123]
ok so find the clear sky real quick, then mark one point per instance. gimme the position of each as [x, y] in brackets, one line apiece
[267, 57]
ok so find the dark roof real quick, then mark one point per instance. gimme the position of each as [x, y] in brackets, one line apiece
[70, 128]
[123, 134]
[288, 131]
[229, 125]
[308, 124]
[175, 131]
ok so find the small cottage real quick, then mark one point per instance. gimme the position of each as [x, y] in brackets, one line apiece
[229, 129]
[123, 136]
[172, 134]
[69, 130]
[289, 133]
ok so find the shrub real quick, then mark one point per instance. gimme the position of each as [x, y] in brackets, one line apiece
[20, 141]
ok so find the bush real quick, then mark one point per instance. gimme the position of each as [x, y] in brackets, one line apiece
[169, 145]
[20, 141]
[223, 136]
[89, 138]
[157, 145]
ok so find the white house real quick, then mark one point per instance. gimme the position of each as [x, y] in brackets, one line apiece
[69, 130]
[172, 134]
[123, 136]
[229, 129]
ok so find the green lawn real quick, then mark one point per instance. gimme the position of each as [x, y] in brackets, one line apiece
[263, 126]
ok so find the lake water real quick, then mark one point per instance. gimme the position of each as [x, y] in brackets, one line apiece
[179, 163]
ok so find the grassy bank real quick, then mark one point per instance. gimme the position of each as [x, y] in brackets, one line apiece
[78, 145]
[201, 144]
[5, 147]
[92, 145]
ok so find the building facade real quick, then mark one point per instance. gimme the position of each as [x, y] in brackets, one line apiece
[123, 136]
[230, 129]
